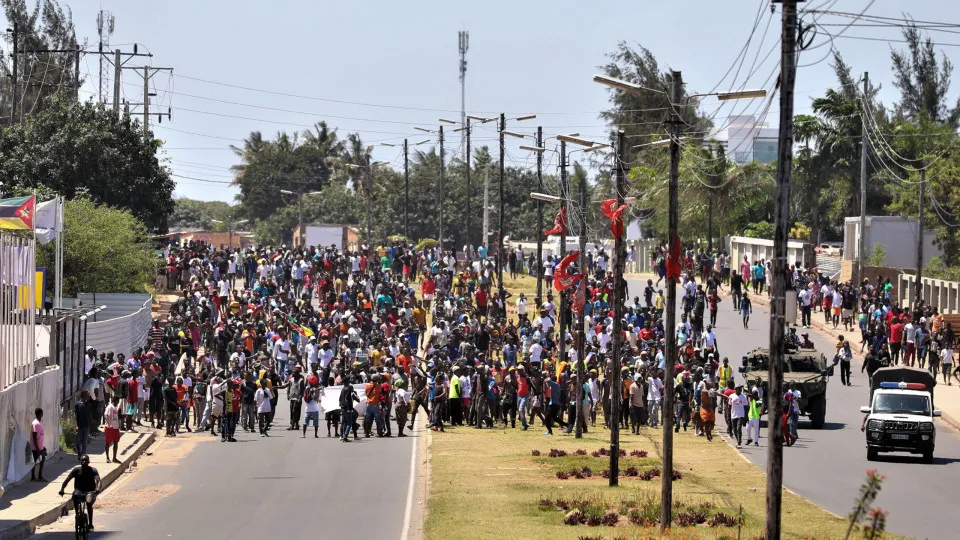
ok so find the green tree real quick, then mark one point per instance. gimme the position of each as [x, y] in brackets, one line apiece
[83, 148]
[106, 250]
[191, 213]
[922, 80]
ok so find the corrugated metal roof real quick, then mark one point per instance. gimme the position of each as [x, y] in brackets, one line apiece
[118, 304]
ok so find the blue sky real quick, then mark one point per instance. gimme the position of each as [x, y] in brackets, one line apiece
[397, 62]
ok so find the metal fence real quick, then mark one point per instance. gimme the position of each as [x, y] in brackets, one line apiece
[17, 311]
[68, 338]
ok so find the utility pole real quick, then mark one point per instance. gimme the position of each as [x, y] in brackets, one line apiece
[581, 326]
[788, 75]
[619, 299]
[503, 126]
[15, 76]
[666, 480]
[864, 141]
[146, 91]
[486, 207]
[923, 185]
[564, 203]
[146, 100]
[406, 190]
[469, 216]
[442, 171]
[369, 188]
[539, 298]
[76, 73]
[117, 68]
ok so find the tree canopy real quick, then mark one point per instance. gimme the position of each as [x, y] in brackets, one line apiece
[81, 147]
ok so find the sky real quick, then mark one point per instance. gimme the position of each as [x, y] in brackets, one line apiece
[381, 68]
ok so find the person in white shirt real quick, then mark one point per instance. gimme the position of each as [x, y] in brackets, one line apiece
[522, 307]
[311, 403]
[737, 403]
[546, 323]
[805, 296]
[281, 353]
[535, 351]
[263, 397]
[654, 391]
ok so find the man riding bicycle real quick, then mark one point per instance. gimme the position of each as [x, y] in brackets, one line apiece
[86, 485]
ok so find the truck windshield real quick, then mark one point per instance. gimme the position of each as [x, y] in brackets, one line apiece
[901, 404]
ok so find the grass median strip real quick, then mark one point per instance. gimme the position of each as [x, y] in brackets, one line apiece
[489, 483]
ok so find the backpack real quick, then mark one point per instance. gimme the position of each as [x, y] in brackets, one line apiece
[308, 395]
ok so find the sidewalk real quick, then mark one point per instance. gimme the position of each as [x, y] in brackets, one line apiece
[29, 505]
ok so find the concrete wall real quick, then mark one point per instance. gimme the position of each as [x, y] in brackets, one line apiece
[641, 251]
[759, 248]
[17, 403]
[899, 236]
[945, 295]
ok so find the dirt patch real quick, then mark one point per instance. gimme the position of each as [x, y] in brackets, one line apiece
[135, 499]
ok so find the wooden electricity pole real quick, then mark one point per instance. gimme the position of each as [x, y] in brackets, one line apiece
[788, 75]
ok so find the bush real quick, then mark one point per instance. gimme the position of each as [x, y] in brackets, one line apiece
[534, 453]
[68, 434]
[574, 517]
[760, 229]
[563, 475]
[554, 452]
[639, 453]
[580, 452]
[723, 520]
[586, 471]
[690, 518]
[611, 519]
[631, 471]
[425, 243]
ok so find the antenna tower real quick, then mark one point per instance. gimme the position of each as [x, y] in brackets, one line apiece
[105, 26]
[464, 42]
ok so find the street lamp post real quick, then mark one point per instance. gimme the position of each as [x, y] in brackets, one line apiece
[675, 99]
[300, 194]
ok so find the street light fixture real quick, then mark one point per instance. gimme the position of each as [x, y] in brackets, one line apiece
[621, 84]
[479, 118]
[533, 148]
[527, 117]
[742, 94]
[514, 134]
[575, 140]
[425, 130]
[445, 121]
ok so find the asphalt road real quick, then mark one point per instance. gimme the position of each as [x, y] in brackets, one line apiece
[269, 488]
[827, 466]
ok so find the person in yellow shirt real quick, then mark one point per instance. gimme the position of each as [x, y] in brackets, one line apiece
[659, 302]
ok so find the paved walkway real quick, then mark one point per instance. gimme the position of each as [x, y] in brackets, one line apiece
[29, 505]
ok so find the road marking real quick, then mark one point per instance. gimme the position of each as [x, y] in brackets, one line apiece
[413, 479]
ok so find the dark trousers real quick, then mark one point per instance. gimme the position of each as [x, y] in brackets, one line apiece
[456, 412]
[554, 414]
[738, 429]
[295, 405]
[262, 421]
[805, 315]
[845, 372]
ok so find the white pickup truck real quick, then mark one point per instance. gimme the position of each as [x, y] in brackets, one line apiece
[900, 415]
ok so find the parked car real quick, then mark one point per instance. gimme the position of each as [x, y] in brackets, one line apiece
[830, 248]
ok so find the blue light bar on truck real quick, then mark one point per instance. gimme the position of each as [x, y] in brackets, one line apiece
[903, 385]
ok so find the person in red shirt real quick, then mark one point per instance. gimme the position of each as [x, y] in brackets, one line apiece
[428, 288]
[896, 340]
[481, 298]
[373, 392]
[132, 402]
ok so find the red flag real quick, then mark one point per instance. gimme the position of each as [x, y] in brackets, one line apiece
[563, 280]
[674, 258]
[615, 213]
[559, 223]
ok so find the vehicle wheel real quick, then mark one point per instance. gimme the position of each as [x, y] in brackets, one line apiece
[928, 457]
[818, 411]
[871, 454]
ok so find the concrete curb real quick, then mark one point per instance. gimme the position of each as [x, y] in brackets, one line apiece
[26, 528]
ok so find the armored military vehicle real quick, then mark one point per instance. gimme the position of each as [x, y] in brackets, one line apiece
[806, 368]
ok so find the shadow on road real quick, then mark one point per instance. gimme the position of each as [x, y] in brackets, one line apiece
[902, 458]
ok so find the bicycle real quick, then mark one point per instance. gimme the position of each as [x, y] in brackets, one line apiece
[82, 523]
